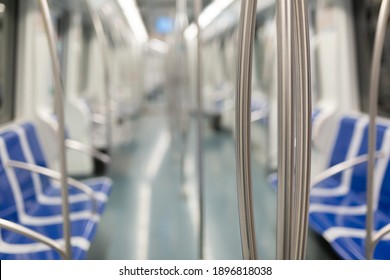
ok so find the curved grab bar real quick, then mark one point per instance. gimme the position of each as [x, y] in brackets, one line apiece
[294, 126]
[284, 19]
[56, 176]
[14, 227]
[303, 133]
[59, 95]
[335, 169]
[243, 122]
[379, 235]
[81, 147]
[373, 110]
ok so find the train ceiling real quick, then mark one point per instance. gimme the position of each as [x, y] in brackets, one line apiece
[156, 12]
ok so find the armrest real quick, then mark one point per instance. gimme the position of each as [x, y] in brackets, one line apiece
[80, 147]
[14, 227]
[56, 176]
[98, 119]
[379, 235]
[343, 166]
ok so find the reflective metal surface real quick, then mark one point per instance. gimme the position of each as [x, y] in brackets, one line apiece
[303, 132]
[294, 128]
[243, 130]
[342, 167]
[373, 110]
[33, 235]
[59, 95]
[284, 18]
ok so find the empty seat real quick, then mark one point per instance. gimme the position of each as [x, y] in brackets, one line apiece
[338, 204]
[349, 126]
[34, 151]
[34, 201]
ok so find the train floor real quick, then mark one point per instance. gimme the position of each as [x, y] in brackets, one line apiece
[153, 212]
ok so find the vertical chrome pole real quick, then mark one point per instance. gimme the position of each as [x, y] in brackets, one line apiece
[243, 128]
[303, 132]
[104, 49]
[59, 95]
[284, 17]
[374, 88]
[199, 102]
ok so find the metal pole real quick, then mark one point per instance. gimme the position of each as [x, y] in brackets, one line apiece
[59, 95]
[199, 102]
[104, 49]
[243, 128]
[303, 132]
[284, 17]
[374, 88]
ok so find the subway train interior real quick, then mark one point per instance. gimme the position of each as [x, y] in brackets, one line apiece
[194, 129]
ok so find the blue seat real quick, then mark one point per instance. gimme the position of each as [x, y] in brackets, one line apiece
[100, 185]
[346, 130]
[340, 216]
[347, 145]
[21, 192]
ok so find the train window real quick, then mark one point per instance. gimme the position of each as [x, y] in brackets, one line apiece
[86, 41]
[265, 54]
[366, 17]
[61, 20]
[7, 58]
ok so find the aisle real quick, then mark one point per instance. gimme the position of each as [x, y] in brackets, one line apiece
[151, 215]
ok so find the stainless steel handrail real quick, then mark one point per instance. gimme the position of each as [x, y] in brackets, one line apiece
[303, 132]
[104, 49]
[373, 110]
[380, 234]
[59, 95]
[199, 104]
[243, 122]
[11, 226]
[89, 150]
[284, 19]
[335, 169]
[56, 176]
[294, 127]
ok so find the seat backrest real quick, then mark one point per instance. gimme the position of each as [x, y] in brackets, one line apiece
[359, 174]
[345, 133]
[33, 149]
[14, 151]
[383, 194]
[35, 145]
[9, 193]
[20, 142]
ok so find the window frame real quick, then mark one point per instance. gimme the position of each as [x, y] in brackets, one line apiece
[8, 98]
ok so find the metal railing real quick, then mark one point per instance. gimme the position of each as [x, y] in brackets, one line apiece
[59, 95]
[371, 238]
[294, 126]
[243, 128]
[199, 105]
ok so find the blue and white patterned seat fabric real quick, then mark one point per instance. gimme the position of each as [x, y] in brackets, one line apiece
[346, 131]
[34, 201]
[338, 204]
